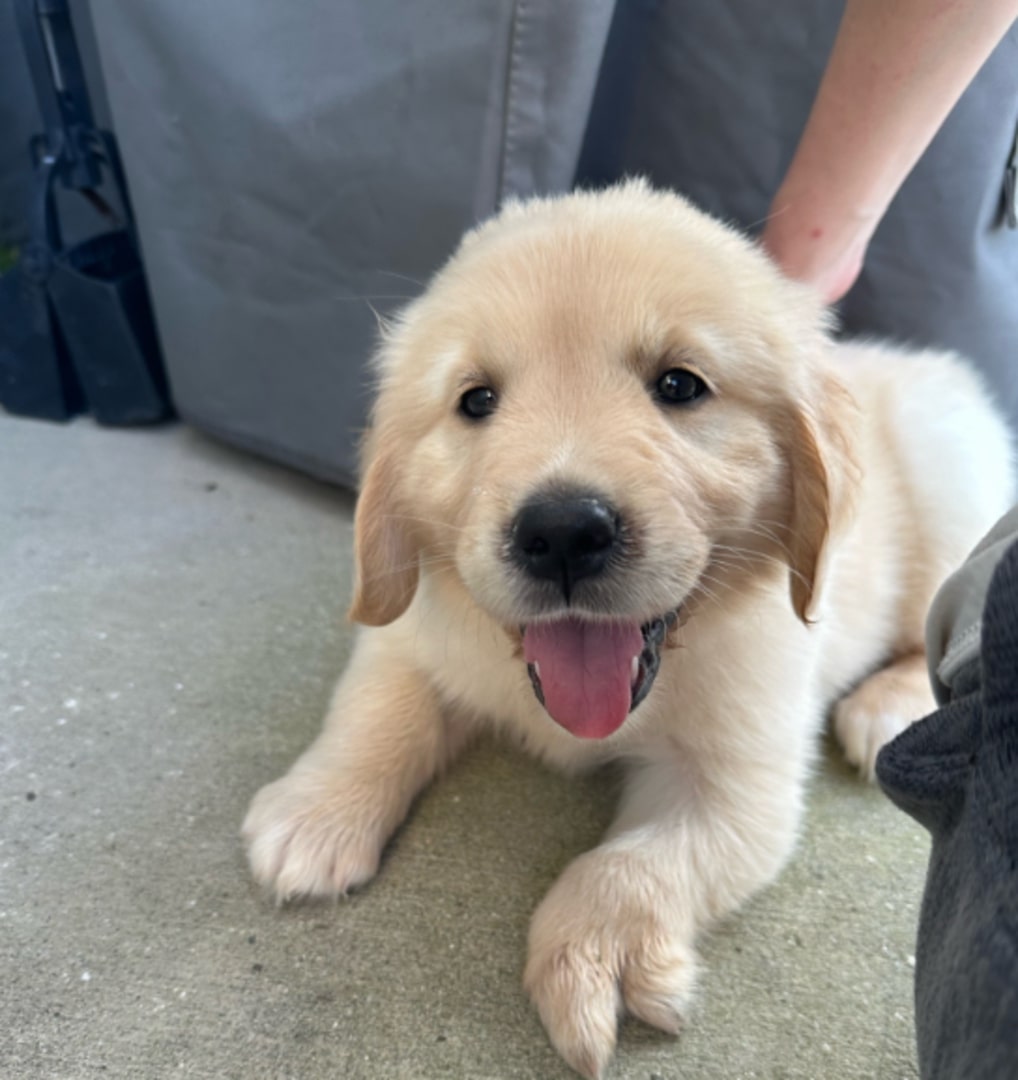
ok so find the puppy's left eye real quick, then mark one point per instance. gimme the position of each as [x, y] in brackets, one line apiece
[478, 403]
[677, 386]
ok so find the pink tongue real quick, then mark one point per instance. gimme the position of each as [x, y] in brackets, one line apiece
[585, 672]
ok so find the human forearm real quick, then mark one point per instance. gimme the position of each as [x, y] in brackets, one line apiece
[896, 70]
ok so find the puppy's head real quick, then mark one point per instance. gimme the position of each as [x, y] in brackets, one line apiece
[606, 409]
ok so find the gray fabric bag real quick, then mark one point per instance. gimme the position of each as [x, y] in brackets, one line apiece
[293, 165]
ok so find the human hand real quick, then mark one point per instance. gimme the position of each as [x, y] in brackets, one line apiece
[895, 72]
[816, 248]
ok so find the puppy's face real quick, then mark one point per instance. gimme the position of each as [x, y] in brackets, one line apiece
[604, 410]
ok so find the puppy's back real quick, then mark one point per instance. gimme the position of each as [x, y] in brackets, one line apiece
[930, 416]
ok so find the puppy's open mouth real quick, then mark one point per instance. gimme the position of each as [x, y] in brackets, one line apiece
[590, 675]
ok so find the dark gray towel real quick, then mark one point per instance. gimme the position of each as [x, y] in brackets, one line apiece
[956, 772]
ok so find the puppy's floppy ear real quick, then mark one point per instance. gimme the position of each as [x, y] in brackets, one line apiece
[824, 477]
[386, 550]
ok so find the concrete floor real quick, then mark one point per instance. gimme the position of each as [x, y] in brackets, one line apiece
[171, 621]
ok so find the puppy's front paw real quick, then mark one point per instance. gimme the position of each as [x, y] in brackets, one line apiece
[308, 837]
[607, 938]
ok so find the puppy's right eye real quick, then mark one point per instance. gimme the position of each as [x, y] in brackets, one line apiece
[677, 386]
[478, 403]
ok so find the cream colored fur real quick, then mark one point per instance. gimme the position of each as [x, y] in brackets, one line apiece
[803, 514]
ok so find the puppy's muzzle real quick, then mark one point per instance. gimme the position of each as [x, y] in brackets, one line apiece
[565, 539]
[589, 672]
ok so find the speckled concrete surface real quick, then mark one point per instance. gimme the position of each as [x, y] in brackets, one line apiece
[170, 626]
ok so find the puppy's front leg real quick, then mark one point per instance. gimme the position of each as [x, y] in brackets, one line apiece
[320, 829]
[616, 931]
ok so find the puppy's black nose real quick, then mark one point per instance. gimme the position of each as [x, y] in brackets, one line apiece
[564, 539]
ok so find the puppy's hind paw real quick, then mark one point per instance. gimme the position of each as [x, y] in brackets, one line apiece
[863, 734]
[880, 708]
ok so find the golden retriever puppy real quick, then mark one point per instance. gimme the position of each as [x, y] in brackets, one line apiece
[624, 498]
